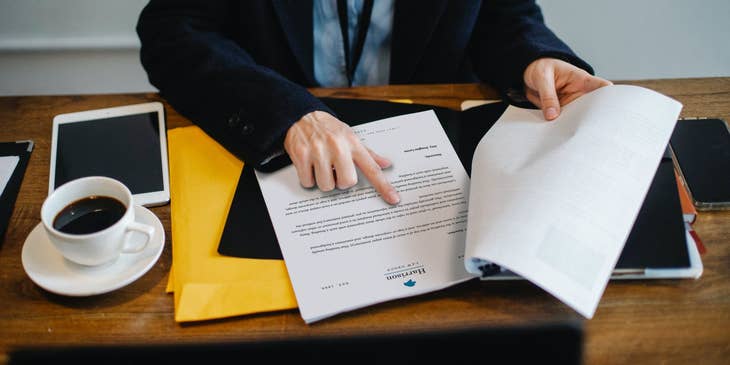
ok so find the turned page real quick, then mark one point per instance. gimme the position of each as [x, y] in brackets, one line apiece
[555, 201]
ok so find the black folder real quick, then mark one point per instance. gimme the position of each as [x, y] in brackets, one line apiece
[22, 149]
[656, 241]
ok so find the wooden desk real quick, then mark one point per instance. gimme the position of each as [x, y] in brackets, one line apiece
[667, 321]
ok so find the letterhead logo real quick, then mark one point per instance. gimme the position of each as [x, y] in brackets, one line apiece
[406, 273]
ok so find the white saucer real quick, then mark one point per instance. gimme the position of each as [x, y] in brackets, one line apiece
[51, 271]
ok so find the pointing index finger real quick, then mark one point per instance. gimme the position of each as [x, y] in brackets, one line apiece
[375, 175]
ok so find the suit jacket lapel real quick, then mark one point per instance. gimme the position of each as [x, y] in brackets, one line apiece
[413, 24]
[295, 18]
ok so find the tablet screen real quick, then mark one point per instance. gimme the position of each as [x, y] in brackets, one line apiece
[126, 148]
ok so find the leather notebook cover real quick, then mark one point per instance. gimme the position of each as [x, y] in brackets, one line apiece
[658, 238]
[656, 241]
[248, 231]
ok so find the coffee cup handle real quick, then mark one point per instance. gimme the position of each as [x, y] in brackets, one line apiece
[142, 228]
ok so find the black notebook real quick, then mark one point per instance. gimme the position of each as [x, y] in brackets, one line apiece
[20, 150]
[658, 239]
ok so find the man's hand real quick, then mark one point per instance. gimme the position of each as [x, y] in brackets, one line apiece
[551, 83]
[326, 151]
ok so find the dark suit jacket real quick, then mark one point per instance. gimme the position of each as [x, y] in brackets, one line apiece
[239, 69]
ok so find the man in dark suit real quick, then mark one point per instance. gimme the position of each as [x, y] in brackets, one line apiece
[240, 69]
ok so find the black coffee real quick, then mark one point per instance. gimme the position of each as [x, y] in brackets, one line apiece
[89, 215]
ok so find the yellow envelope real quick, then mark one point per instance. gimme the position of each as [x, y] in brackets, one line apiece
[207, 285]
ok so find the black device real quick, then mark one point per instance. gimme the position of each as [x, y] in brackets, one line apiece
[532, 343]
[701, 153]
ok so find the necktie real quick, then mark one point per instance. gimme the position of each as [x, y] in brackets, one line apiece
[353, 58]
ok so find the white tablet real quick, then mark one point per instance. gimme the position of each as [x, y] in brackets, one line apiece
[127, 143]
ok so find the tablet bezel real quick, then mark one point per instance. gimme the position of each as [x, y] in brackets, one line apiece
[154, 198]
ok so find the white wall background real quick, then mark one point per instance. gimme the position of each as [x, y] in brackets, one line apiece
[70, 47]
[645, 39]
[90, 46]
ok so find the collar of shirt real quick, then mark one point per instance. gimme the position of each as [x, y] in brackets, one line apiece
[329, 55]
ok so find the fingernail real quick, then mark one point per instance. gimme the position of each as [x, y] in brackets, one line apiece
[393, 197]
[551, 113]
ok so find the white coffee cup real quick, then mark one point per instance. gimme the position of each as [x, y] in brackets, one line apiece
[106, 244]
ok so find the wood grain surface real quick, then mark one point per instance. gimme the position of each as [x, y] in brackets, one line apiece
[657, 321]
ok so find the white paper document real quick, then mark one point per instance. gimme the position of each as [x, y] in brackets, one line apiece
[347, 249]
[552, 202]
[7, 166]
[555, 201]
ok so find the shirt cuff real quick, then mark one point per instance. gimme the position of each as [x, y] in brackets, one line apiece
[272, 156]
